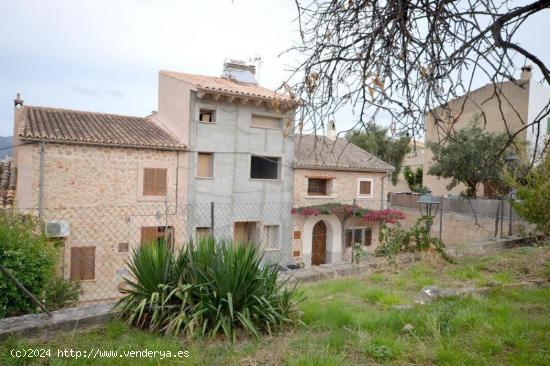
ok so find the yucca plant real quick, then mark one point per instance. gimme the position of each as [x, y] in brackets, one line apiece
[208, 288]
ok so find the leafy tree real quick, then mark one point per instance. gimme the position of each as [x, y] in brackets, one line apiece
[472, 156]
[376, 140]
[533, 195]
[414, 179]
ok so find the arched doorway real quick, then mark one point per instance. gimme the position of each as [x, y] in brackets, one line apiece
[319, 244]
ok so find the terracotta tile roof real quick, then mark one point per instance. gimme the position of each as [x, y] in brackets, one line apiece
[8, 180]
[319, 152]
[226, 86]
[42, 123]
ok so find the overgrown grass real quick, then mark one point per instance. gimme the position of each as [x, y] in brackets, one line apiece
[352, 321]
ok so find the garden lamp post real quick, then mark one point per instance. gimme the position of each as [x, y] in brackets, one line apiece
[428, 208]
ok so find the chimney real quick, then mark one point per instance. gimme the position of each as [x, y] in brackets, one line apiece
[18, 102]
[331, 133]
[526, 72]
[240, 71]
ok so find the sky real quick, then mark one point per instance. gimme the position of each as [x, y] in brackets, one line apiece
[104, 56]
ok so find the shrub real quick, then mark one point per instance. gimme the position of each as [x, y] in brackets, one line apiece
[206, 289]
[27, 254]
[60, 292]
[397, 239]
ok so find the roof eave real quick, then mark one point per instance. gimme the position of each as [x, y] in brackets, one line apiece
[103, 144]
[349, 169]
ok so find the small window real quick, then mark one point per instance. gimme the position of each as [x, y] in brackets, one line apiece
[297, 234]
[207, 115]
[365, 187]
[158, 234]
[205, 166]
[266, 122]
[154, 181]
[264, 167]
[245, 232]
[82, 263]
[202, 233]
[362, 236]
[317, 187]
[272, 236]
[367, 237]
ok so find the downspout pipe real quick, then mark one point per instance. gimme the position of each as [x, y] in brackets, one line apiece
[41, 185]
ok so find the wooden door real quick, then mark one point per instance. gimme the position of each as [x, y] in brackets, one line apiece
[319, 244]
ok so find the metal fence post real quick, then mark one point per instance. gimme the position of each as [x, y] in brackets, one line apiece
[510, 221]
[212, 218]
[441, 217]
[353, 233]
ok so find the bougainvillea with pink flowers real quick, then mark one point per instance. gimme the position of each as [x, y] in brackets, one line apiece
[387, 216]
[337, 209]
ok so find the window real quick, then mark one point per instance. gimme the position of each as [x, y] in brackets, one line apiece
[266, 122]
[205, 166]
[158, 234]
[367, 237]
[82, 263]
[297, 234]
[207, 115]
[364, 187]
[317, 187]
[264, 167]
[154, 181]
[363, 236]
[245, 232]
[202, 233]
[272, 236]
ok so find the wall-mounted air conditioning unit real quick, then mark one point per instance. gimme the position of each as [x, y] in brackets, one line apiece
[58, 229]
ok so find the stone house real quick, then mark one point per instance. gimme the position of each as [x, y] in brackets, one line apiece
[499, 108]
[219, 150]
[101, 179]
[332, 172]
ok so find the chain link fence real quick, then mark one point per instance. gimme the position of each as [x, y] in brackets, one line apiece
[463, 221]
[96, 243]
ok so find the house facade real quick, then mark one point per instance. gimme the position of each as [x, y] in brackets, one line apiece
[100, 182]
[215, 159]
[505, 107]
[240, 147]
[331, 176]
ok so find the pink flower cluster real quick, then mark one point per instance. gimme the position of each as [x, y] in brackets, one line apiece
[387, 216]
[306, 211]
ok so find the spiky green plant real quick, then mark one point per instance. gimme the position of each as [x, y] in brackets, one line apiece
[206, 289]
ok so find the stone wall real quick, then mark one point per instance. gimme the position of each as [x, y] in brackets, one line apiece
[461, 229]
[97, 191]
[344, 188]
[84, 176]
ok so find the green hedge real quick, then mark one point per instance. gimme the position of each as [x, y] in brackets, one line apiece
[27, 254]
